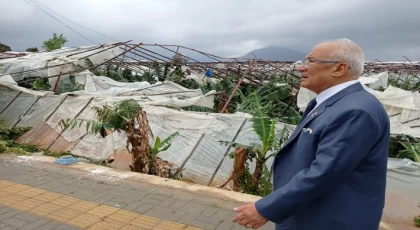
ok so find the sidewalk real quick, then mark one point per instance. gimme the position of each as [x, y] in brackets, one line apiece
[38, 194]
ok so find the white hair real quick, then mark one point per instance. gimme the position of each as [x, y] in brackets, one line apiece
[348, 51]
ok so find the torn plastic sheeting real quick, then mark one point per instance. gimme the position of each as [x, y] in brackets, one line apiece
[39, 111]
[211, 124]
[181, 146]
[88, 113]
[375, 81]
[396, 97]
[164, 88]
[68, 109]
[402, 191]
[100, 85]
[7, 79]
[410, 115]
[6, 86]
[202, 164]
[17, 108]
[96, 148]
[6, 96]
[404, 178]
[404, 129]
[206, 101]
[106, 85]
[98, 58]
[35, 61]
[18, 65]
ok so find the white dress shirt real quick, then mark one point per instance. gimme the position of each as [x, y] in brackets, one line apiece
[324, 95]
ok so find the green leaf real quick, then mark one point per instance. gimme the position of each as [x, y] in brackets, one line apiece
[157, 143]
[169, 139]
[166, 147]
[88, 123]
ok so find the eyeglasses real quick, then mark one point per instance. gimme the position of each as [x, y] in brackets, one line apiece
[307, 61]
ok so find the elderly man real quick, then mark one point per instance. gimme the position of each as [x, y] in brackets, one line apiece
[331, 173]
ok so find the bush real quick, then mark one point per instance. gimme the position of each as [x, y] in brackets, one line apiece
[3, 147]
[13, 133]
[417, 221]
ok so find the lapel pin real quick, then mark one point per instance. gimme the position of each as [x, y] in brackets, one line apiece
[314, 114]
[309, 130]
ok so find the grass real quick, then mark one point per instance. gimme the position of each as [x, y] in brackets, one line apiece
[10, 146]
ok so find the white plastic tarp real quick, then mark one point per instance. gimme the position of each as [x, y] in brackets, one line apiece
[164, 94]
[102, 85]
[7, 79]
[18, 107]
[7, 96]
[404, 175]
[39, 111]
[73, 56]
[402, 191]
[68, 109]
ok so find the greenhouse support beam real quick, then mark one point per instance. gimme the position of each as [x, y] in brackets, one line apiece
[226, 152]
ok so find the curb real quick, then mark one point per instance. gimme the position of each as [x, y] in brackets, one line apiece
[154, 180]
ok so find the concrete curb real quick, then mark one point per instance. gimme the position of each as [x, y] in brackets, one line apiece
[155, 180]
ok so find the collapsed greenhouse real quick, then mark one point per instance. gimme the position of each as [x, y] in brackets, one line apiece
[40, 90]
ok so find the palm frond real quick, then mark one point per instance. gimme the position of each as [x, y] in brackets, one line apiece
[92, 126]
[128, 109]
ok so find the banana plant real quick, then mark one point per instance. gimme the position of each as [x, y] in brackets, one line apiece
[271, 99]
[127, 116]
[412, 151]
[157, 147]
[270, 141]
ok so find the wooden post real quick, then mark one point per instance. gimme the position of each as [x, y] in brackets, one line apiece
[237, 86]
[56, 83]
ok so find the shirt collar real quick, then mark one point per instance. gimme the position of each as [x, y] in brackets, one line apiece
[324, 95]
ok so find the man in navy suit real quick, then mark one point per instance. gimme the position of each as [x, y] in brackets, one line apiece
[331, 173]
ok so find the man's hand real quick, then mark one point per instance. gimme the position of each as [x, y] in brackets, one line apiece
[249, 216]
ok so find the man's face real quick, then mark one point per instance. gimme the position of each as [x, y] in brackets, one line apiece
[317, 76]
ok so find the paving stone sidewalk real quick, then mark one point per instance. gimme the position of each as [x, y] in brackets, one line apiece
[190, 209]
[13, 219]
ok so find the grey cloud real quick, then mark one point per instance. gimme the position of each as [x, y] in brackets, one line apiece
[383, 28]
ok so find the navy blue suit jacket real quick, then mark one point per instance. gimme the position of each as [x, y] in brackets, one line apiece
[331, 173]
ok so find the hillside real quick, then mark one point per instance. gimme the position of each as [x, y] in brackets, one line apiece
[276, 54]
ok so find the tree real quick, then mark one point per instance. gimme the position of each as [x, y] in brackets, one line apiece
[128, 116]
[4, 47]
[54, 42]
[32, 49]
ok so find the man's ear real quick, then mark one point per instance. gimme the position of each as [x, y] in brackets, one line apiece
[340, 70]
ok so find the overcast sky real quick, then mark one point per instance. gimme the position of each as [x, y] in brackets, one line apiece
[385, 29]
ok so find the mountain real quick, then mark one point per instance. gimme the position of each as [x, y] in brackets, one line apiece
[276, 54]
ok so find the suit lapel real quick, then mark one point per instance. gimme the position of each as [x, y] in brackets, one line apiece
[321, 109]
[318, 111]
